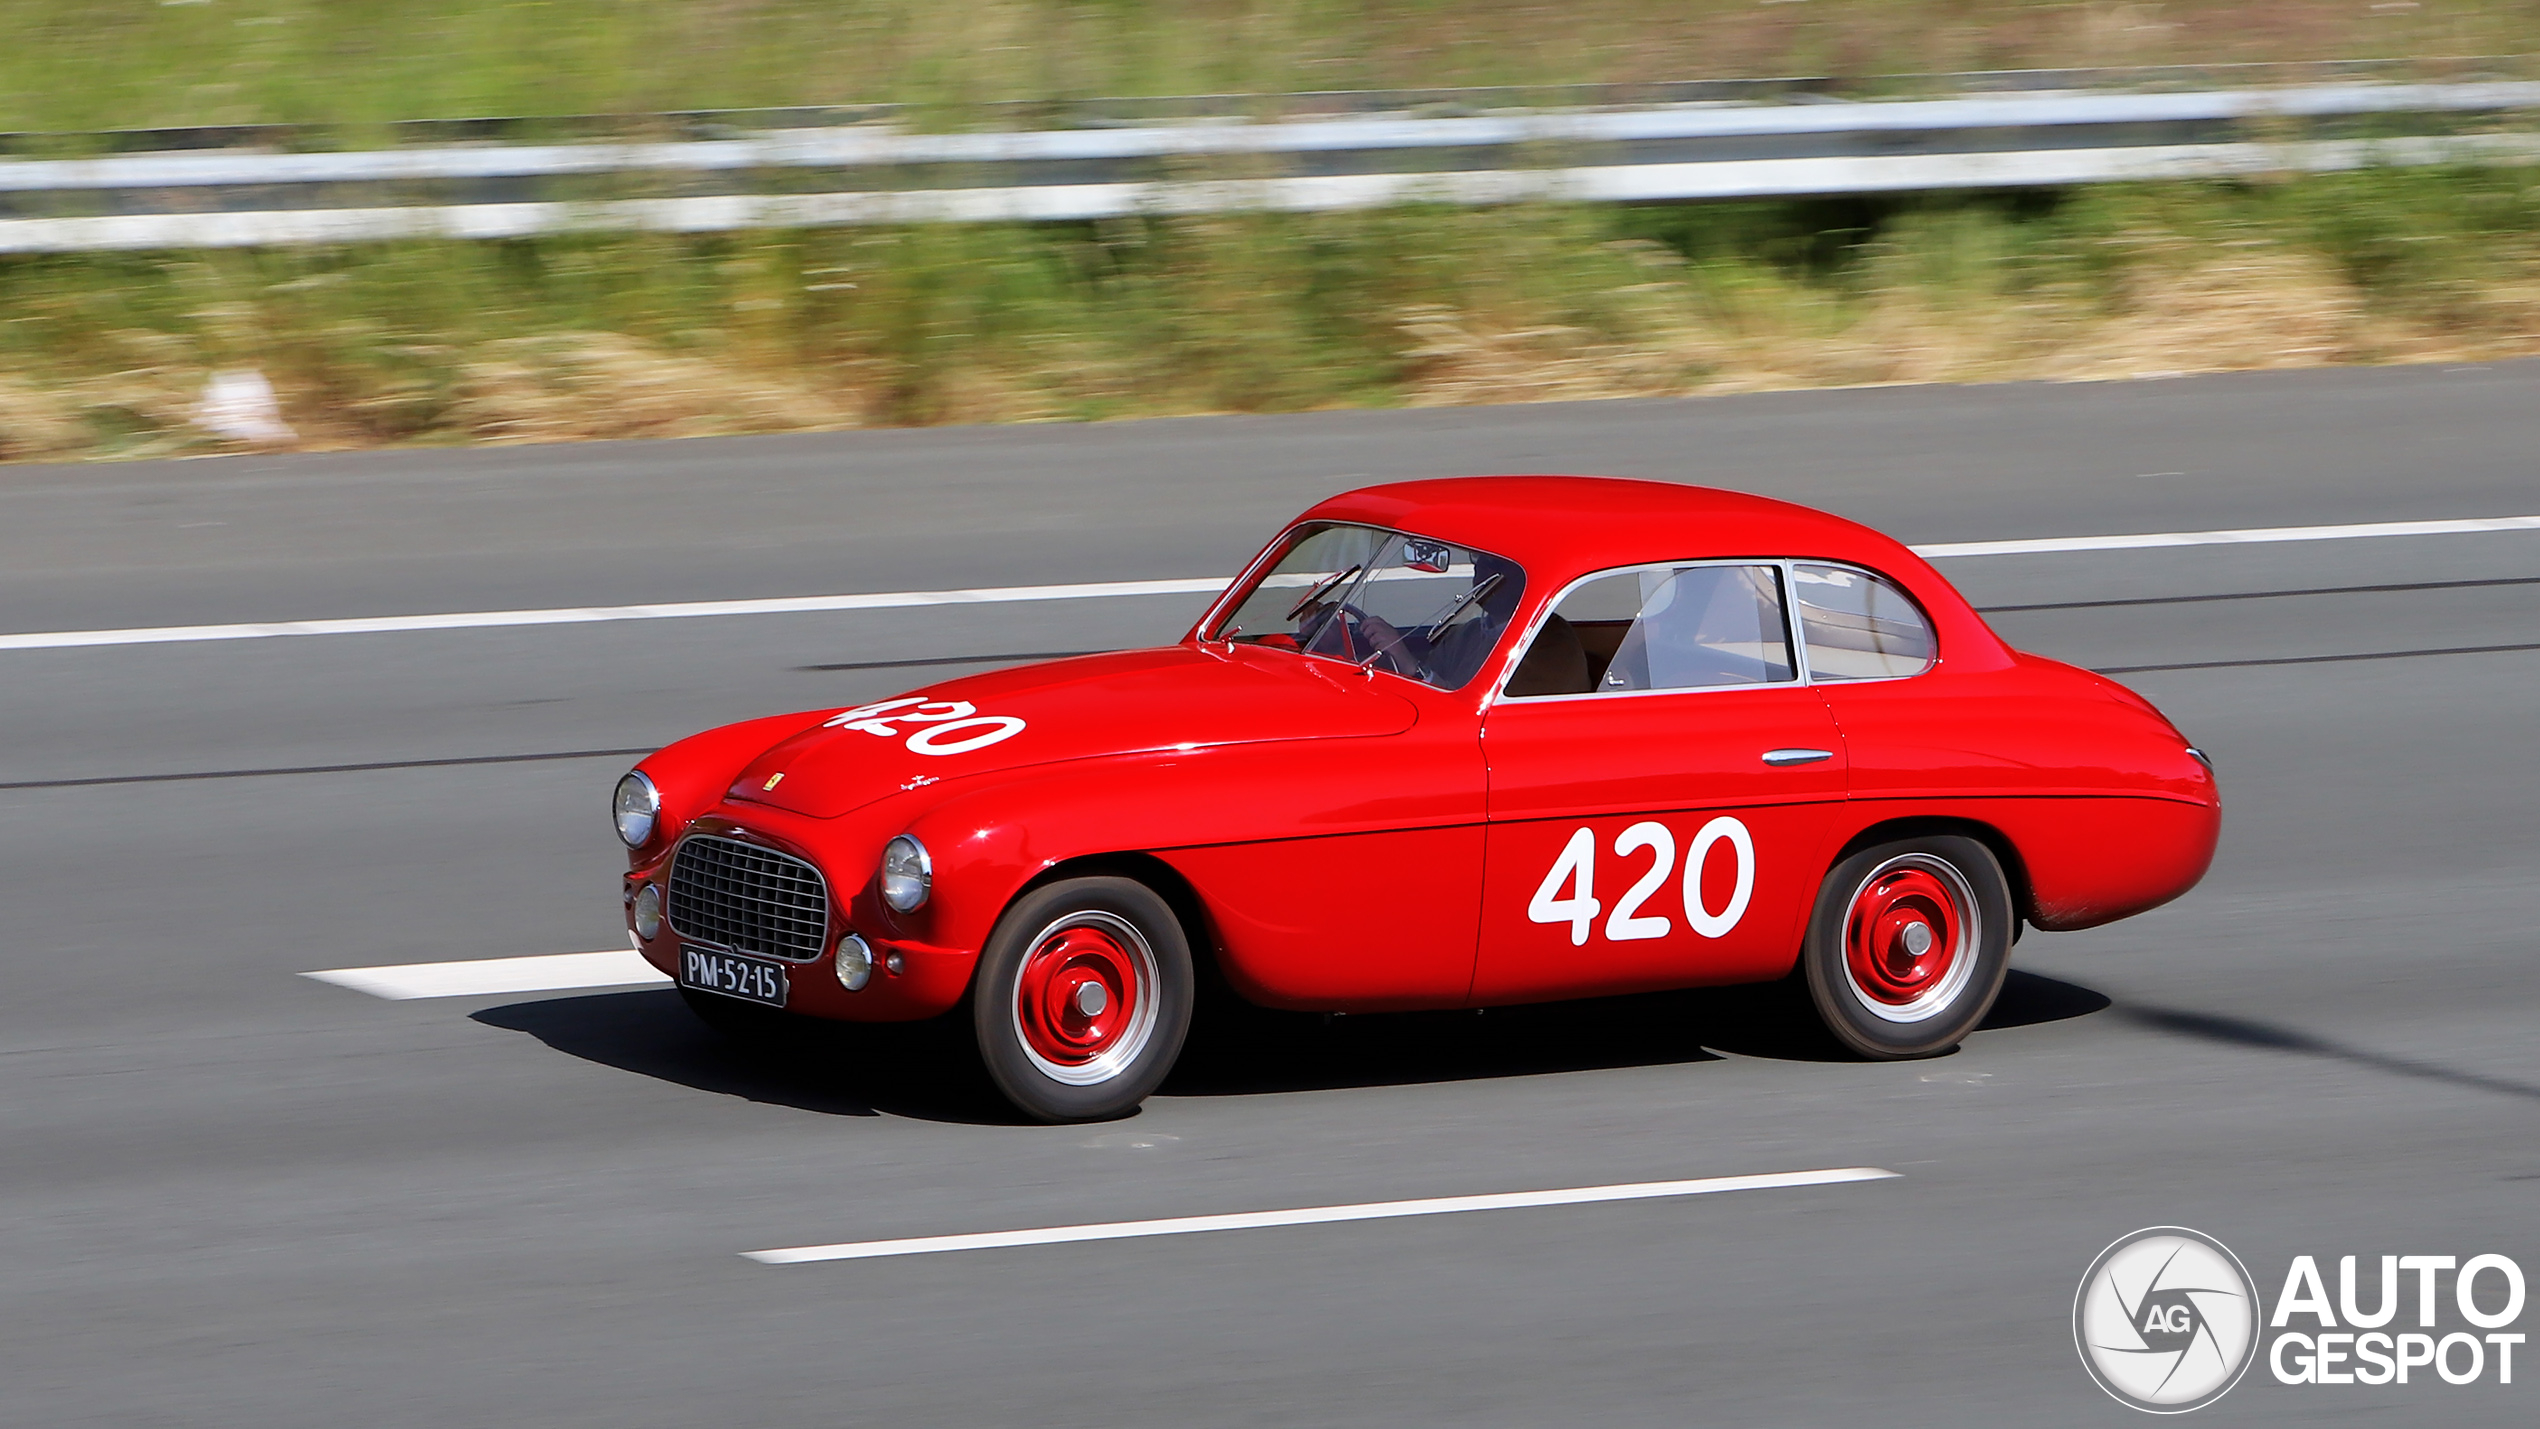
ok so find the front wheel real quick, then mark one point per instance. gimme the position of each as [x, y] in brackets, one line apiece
[1909, 944]
[1082, 998]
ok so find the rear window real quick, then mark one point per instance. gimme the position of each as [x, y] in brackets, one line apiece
[1859, 626]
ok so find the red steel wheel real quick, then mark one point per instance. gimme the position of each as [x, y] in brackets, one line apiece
[1909, 944]
[1082, 998]
[1084, 1004]
[1906, 937]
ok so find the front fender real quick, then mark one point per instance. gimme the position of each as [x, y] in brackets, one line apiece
[692, 774]
[991, 840]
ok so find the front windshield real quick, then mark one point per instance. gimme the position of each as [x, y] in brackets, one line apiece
[1422, 609]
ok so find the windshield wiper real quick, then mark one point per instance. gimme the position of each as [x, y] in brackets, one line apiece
[1438, 626]
[1325, 584]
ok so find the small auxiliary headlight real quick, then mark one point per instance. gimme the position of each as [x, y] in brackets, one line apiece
[855, 963]
[638, 804]
[908, 875]
[647, 914]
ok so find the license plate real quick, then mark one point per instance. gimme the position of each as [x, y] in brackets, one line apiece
[749, 979]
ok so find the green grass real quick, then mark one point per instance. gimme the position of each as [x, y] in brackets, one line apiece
[71, 65]
[661, 335]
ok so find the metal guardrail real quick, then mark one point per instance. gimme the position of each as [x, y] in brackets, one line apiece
[868, 171]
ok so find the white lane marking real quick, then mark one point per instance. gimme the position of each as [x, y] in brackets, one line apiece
[2253, 535]
[1314, 1215]
[999, 595]
[597, 614]
[549, 972]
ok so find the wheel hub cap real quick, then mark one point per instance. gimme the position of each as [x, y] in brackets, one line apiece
[1904, 937]
[1078, 996]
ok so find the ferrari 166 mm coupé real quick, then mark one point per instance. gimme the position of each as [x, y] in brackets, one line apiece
[1442, 744]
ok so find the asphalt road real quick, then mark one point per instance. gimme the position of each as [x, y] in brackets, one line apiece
[235, 1197]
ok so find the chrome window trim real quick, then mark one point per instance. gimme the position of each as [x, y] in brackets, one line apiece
[1796, 628]
[1799, 628]
[1790, 628]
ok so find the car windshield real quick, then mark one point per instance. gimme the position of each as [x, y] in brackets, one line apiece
[1426, 610]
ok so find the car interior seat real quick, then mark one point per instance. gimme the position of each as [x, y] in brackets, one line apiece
[1556, 664]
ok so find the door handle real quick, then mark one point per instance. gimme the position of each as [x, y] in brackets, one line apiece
[1784, 758]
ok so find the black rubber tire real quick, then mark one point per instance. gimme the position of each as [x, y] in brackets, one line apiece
[1847, 1012]
[1034, 1092]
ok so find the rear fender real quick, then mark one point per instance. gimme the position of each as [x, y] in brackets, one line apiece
[2074, 863]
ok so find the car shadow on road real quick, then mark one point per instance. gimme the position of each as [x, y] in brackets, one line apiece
[923, 1072]
[2275, 1037]
[1249, 1052]
[836, 1070]
[2028, 999]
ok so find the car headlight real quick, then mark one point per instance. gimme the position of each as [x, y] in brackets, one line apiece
[908, 875]
[647, 912]
[638, 805]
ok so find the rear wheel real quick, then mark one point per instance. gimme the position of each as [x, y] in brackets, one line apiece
[1082, 999]
[1909, 944]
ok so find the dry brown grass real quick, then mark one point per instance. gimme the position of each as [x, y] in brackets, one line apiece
[2224, 311]
[651, 337]
[2231, 311]
[581, 386]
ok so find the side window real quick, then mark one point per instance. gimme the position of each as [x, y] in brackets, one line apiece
[1859, 626]
[1666, 628]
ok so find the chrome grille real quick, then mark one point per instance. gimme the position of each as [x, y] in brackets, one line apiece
[749, 899]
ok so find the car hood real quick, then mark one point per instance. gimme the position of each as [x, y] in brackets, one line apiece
[1130, 702]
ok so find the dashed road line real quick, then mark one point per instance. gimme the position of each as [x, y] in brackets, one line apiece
[186, 776]
[602, 614]
[2517, 649]
[2244, 536]
[1104, 590]
[1315, 1215]
[481, 977]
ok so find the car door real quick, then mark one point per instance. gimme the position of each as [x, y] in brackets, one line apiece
[1663, 789]
[1366, 893]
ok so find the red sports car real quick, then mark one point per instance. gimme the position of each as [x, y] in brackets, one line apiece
[1442, 744]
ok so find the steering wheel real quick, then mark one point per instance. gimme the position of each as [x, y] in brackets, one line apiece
[1360, 634]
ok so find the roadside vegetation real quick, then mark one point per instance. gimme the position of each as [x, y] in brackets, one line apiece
[667, 336]
[661, 335]
[115, 64]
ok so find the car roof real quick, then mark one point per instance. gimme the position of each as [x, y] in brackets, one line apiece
[1561, 526]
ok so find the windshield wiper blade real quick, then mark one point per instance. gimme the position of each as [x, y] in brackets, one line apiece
[1438, 626]
[1325, 584]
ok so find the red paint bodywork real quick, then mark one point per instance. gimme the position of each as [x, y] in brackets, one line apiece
[1347, 840]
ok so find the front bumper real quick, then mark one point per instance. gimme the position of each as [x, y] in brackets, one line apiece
[912, 980]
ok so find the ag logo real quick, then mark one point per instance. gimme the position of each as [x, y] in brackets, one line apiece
[2166, 1320]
